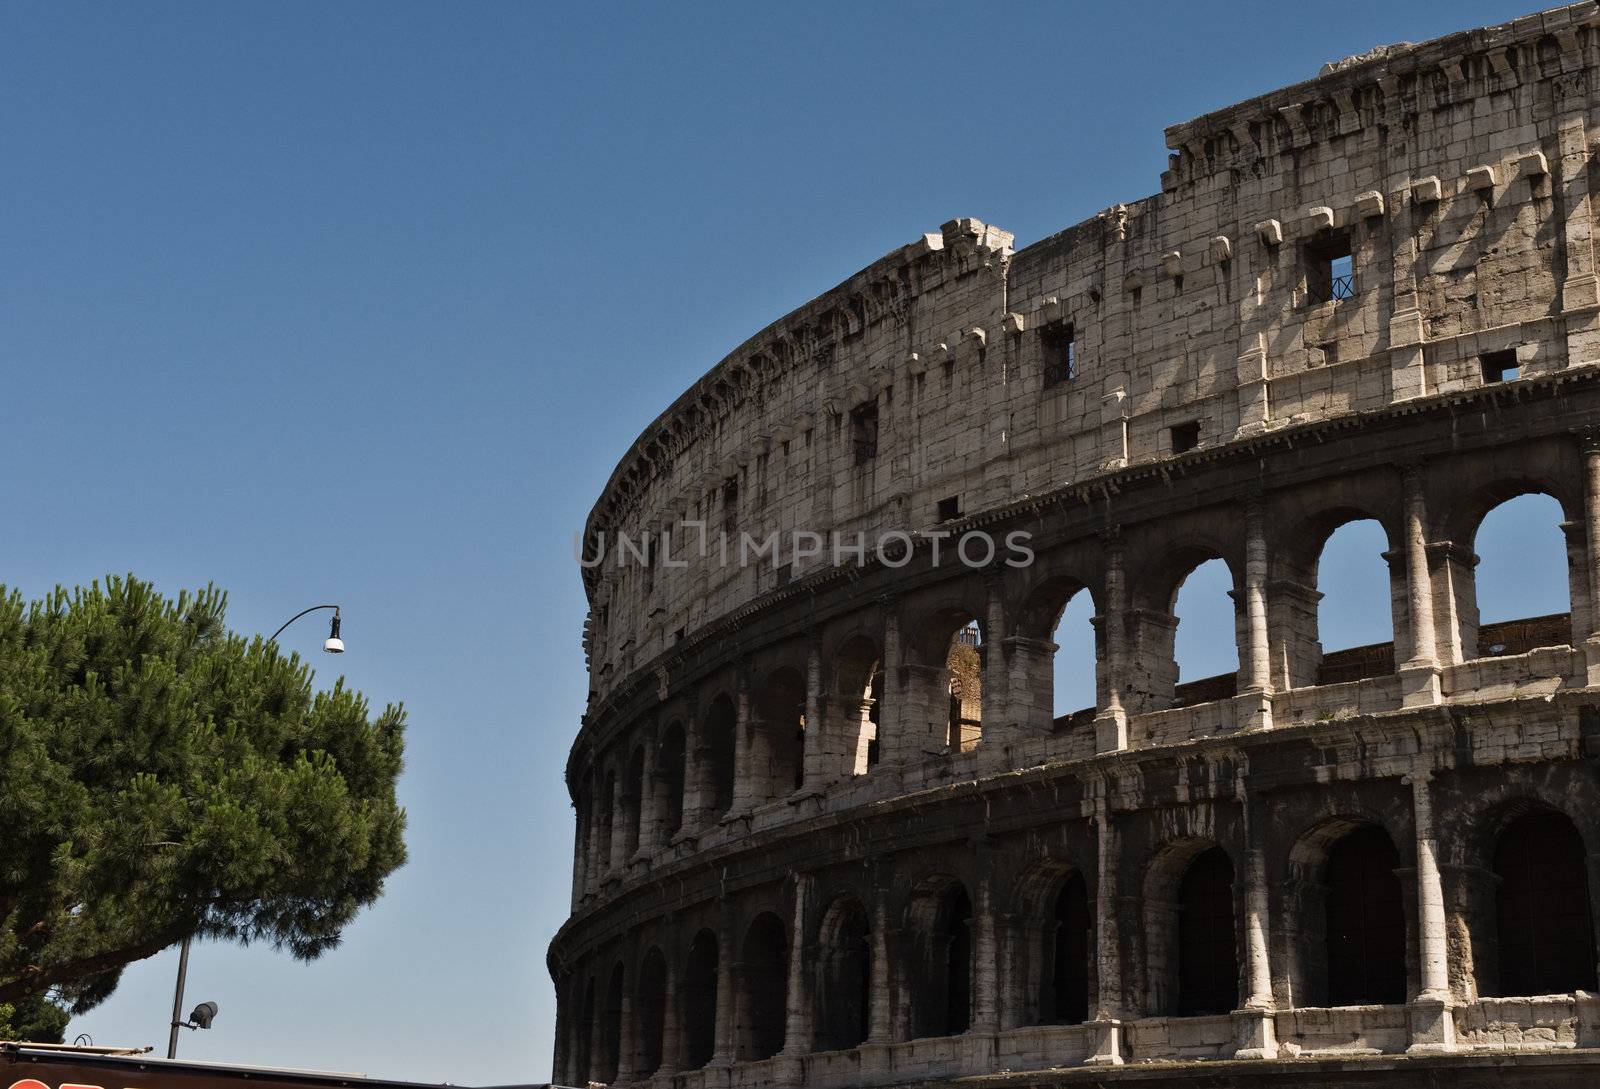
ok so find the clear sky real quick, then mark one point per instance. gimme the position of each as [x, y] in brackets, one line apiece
[361, 303]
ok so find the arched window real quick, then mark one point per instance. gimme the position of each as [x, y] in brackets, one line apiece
[1073, 670]
[1208, 966]
[858, 689]
[777, 736]
[1066, 1002]
[1354, 628]
[941, 993]
[1518, 596]
[649, 1013]
[1545, 929]
[964, 668]
[699, 1001]
[669, 776]
[632, 804]
[1365, 921]
[1205, 650]
[611, 1029]
[845, 977]
[763, 976]
[718, 747]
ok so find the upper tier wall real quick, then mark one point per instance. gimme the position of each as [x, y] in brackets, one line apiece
[1458, 172]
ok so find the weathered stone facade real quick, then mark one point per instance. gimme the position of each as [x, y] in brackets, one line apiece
[829, 831]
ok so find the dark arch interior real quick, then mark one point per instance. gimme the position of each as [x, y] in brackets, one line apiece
[1544, 929]
[763, 972]
[858, 675]
[964, 669]
[611, 1029]
[1208, 964]
[1067, 1000]
[719, 727]
[1365, 920]
[649, 1004]
[700, 1001]
[845, 979]
[669, 775]
[632, 803]
[778, 734]
[944, 1001]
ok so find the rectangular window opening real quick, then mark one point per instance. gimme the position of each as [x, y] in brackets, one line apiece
[1499, 366]
[730, 502]
[864, 431]
[1330, 268]
[1185, 436]
[949, 509]
[1058, 343]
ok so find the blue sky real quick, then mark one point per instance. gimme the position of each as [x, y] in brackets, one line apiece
[362, 302]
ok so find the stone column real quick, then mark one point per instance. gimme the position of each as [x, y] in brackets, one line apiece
[880, 1024]
[819, 770]
[797, 1008]
[1254, 1028]
[595, 868]
[727, 948]
[671, 1027]
[744, 756]
[620, 822]
[625, 1035]
[996, 705]
[1419, 676]
[985, 964]
[1407, 367]
[1430, 1015]
[1111, 721]
[1591, 517]
[580, 875]
[649, 805]
[697, 795]
[1106, 1024]
[891, 734]
[1253, 705]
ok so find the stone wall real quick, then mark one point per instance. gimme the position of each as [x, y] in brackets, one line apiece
[802, 820]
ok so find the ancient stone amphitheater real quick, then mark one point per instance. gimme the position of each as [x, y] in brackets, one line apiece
[830, 832]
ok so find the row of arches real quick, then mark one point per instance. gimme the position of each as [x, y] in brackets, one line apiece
[1344, 926]
[1345, 588]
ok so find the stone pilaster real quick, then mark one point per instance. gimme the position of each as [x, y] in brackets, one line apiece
[1429, 1011]
[1419, 676]
[1111, 722]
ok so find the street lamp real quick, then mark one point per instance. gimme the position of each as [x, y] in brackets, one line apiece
[205, 1011]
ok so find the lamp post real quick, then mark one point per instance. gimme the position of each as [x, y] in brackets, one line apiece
[203, 1013]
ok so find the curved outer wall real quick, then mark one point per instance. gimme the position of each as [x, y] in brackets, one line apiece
[806, 854]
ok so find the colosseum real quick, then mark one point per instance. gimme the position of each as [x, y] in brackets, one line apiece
[832, 831]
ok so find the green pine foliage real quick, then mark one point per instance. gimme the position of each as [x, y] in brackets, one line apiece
[162, 777]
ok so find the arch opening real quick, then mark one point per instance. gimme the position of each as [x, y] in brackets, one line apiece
[857, 695]
[844, 964]
[1065, 998]
[632, 804]
[1365, 920]
[611, 1029]
[1516, 593]
[1074, 666]
[670, 771]
[942, 997]
[1544, 929]
[777, 736]
[698, 999]
[717, 749]
[1208, 963]
[649, 1013]
[1353, 601]
[1204, 637]
[763, 975]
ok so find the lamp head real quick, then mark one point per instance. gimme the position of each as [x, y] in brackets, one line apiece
[333, 644]
[203, 1015]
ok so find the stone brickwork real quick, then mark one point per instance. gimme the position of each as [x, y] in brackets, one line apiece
[830, 831]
